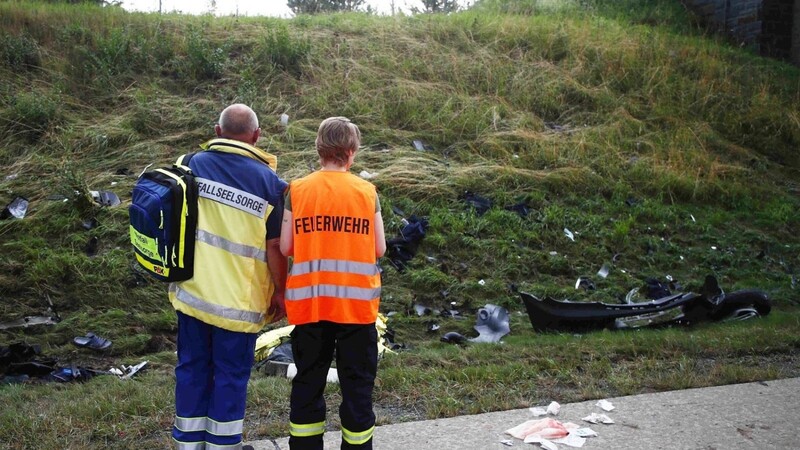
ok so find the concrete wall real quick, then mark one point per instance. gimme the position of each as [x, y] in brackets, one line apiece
[771, 27]
[739, 19]
[796, 34]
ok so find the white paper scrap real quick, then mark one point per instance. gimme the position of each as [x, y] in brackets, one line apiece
[553, 408]
[569, 234]
[547, 445]
[572, 440]
[538, 411]
[605, 405]
[598, 418]
[585, 432]
[507, 442]
[366, 175]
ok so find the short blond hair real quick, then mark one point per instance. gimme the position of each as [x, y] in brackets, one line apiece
[337, 138]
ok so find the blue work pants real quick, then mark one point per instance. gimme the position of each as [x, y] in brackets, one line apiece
[211, 385]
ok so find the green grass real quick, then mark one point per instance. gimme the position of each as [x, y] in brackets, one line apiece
[663, 149]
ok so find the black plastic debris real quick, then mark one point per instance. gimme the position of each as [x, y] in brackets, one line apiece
[91, 246]
[631, 201]
[124, 171]
[480, 204]
[656, 289]
[492, 324]
[453, 337]
[105, 198]
[421, 146]
[520, 208]
[19, 362]
[17, 209]
[432, 327]
[451, 314]
[585, 283]
[712, 304]
[557, 127]
[73, 373]
[422, 310]
[89, 224]
[400, 250]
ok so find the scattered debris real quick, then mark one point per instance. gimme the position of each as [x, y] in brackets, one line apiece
[598, 418]
[553, 408]
[605, 405]
[585, 283]
[537, 429]
[688, 308]
[492, 324]
[480, 204]
[367, 176]
[105, 198]
[30, 321]
[13, 176]
[89, 224]
[17, 209]
[569, 235]
[482, 282]
[604, 271]
[520, 208]
[285, 119]
[57, 198]
[400, 250]
[507, 442]
[20, 362]
[453, 337]
[433, 327]
[124, 171]
[630, 201]
[423, 310]
[421, 146]
[127, 372]
[91, 246]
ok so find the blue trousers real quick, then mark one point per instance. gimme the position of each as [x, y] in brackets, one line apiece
[211, 385]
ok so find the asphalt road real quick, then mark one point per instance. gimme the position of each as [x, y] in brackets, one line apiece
[761, 415]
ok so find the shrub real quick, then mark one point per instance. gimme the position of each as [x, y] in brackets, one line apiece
[204, 61]
[31, 114]
[283, 51]
[19, 52]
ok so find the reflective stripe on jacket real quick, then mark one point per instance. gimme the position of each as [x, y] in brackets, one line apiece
[232, 286]
[334, 276]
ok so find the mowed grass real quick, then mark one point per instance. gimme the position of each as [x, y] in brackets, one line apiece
[665, 151]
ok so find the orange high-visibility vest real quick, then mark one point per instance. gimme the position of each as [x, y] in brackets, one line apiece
[334, 276]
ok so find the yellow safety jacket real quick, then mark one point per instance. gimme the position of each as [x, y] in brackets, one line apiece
[238, 190]
[334, 276]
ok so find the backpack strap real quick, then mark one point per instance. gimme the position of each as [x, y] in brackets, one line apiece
[183, 162]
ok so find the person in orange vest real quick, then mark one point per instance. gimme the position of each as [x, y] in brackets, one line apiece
[332, 226]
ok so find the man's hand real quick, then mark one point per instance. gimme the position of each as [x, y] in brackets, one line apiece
[277, 307]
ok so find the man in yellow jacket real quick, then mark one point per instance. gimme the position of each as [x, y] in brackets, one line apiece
[238, 283]
[332, 226]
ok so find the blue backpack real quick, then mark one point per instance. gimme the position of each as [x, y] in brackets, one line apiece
[163, 221]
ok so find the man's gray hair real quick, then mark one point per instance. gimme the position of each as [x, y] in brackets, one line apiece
[238, 119]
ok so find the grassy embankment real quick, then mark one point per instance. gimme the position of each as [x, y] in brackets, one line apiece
[616, 120]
